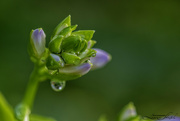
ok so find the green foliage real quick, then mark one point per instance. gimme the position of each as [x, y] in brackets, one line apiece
[6, 112]
[128, 113]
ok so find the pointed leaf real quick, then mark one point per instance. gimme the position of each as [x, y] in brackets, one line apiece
[6, 112]
[65, 23]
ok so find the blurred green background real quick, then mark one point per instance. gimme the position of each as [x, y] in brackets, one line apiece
[142, 36]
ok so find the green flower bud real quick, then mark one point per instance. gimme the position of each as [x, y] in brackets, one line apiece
[70, 43]
[55, 43]
[71, 58]
[54, 62]
[37, 43]
[65, 23]
[85, 34]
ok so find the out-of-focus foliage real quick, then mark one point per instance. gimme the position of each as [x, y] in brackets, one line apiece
[6, 112]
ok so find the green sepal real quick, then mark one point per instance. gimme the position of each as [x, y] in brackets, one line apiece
[65, 23]
[85, 34]
[128, 112]
[53, 64]
[84, 45]
[91, 43]
[70, 58]
[31, 49]
[34, 117]
[67, 31]
[88, 53]
[55, 43]
[77, 48]
[6, 112]
[70, 43]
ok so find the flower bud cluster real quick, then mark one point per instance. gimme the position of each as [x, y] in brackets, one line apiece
[69, 54]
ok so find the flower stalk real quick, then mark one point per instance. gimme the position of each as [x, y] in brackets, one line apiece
[69, 56]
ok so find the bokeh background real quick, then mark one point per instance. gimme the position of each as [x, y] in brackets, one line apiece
[142, 36]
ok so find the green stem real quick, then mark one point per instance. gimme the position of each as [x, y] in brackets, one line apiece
[39, 74]
[31, 90]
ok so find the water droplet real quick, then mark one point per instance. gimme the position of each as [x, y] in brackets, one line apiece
[58, 85]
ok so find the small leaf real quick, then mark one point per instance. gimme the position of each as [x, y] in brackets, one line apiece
[65, 23]
[85, 34]
[55, 43]
[40, 118]
[127, 112]
[6, 112]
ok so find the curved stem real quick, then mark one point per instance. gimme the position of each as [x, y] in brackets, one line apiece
[23, 110]
[31, 88]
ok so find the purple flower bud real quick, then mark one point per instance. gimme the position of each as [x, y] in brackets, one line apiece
[76, 70]
[101, 58]
[38, 41]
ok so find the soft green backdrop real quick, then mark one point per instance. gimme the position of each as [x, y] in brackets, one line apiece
[143, 37]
